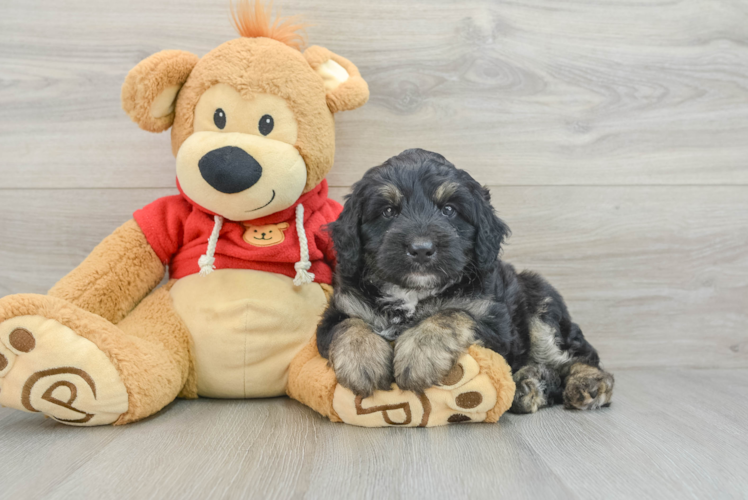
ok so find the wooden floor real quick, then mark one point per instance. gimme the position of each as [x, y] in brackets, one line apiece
[670, 434]
[614, 137]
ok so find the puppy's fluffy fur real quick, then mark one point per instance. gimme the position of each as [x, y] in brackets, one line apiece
[418, 244]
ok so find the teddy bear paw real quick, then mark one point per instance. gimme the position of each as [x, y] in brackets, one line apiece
[465, 395]
[46, 367]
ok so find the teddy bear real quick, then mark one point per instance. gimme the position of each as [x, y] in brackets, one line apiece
[250, 265]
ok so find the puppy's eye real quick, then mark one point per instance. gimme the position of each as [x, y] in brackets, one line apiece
[219, 118]
[266, 124]
[449, 211]
[388, 212]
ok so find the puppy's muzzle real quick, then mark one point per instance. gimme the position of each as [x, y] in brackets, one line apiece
[421, 250]
[230, 169]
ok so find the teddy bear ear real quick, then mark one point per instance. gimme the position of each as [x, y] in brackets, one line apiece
[150, 89]
[345, 88]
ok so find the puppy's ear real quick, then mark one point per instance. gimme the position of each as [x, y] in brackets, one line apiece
[150, 89]
[344, 87]
[490, 232]
[346, 237]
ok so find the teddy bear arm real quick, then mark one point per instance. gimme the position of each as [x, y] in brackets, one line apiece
[116, 275]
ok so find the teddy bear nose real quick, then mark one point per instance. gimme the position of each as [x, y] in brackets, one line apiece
[229, 169]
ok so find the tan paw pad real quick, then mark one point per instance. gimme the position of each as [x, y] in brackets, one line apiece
[7, 360]
[395, 408]
[46, 367]
[465, 396]
[470, 402]
[462, 372]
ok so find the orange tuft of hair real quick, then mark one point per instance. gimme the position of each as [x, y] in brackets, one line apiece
[253, 19]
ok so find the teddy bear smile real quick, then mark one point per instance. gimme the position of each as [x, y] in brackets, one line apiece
[266, 204]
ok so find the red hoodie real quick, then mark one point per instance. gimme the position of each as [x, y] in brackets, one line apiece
[178, 230]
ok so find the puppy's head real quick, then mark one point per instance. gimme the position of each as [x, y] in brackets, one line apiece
[418, 222]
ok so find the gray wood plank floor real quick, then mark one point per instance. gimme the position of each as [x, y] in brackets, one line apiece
[669, 434]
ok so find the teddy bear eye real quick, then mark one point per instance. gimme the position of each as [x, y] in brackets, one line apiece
[219, 118]
[266, 124]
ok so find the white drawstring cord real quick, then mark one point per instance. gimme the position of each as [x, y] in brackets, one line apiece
[207, 261]
[303, 276]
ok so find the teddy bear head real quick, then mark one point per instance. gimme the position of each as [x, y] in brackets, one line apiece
[252, 120]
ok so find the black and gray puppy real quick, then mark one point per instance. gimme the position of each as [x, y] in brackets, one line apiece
[418, 280]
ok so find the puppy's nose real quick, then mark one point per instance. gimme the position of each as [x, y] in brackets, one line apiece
[421, 250]
[229, 169]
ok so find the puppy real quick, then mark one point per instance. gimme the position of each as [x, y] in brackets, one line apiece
[419, 279]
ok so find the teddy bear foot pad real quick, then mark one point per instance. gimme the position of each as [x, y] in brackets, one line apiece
[466, 395]
[46, 367]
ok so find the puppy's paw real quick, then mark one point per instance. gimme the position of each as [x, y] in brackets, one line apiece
[420, 368]
[362, 360]
[529, 395]
[423, 361]
[588, 388]
[426, 353]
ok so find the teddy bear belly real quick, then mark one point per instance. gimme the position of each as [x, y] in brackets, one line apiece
[246, 327]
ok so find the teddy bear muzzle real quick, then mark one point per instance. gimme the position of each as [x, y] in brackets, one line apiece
[230, 169]
[240, 176]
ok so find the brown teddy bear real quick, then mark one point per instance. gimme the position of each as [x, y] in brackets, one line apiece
[250, 264]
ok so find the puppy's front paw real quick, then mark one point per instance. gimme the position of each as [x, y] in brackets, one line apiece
[420, 368]
[426, 353]
[362, 360]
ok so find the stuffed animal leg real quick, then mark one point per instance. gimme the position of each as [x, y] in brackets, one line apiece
[478, 389]
[86, 354]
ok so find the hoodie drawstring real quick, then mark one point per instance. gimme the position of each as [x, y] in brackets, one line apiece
[207, 261]
[303, 276]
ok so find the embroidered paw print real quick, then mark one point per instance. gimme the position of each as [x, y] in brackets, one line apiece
[265, 236]
[465, 395]
[47, 368]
